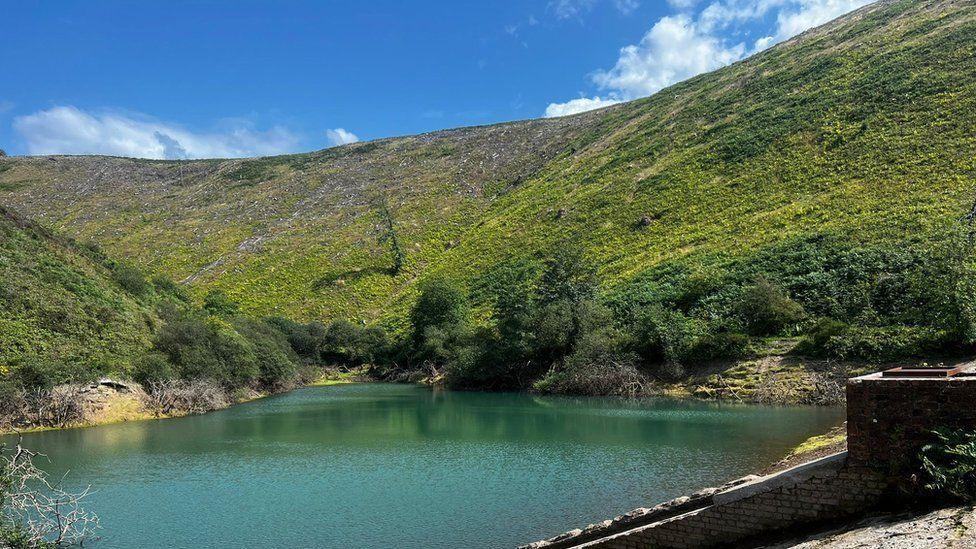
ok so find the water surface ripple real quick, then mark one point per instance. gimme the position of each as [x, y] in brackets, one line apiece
[379, 465]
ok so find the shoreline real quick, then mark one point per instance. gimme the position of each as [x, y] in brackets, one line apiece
[125, 407]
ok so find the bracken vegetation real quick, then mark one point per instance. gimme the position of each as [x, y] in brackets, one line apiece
[819, 194]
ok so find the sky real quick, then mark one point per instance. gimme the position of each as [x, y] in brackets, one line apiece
[172, 79]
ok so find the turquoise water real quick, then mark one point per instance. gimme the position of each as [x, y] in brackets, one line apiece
[379, 465]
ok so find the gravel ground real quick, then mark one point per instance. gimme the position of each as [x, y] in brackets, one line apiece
[954, 527]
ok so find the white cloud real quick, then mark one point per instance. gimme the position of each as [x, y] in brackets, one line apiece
[565, 9]
[68, 130]
[568, 9]
[339, 136]
[811, 13]
[626, 6]
[694, 41]
[674, 49]
[574, 106]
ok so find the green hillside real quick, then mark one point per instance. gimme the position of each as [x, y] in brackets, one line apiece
[66, 303]
[861, 130]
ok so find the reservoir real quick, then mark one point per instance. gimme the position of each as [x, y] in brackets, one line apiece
[383, 465]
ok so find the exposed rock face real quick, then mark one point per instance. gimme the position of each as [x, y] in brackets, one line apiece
[99, 397]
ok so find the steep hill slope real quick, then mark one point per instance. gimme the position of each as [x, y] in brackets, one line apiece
[860, 129]
[62, 302]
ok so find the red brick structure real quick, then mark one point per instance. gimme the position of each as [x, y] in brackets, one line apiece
[889, 419]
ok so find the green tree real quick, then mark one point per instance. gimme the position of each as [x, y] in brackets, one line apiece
[389, 233]
[766, 310]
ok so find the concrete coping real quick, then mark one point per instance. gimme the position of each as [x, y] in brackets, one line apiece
[789, 477]
[968, 374]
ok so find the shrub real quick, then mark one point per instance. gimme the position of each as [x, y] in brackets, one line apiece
[217, 302]
[715, 346]
[596, 367]
[949, 465]
[34, 373]
[766, 310]
[818, 340]
[152, 368]
[344, 343]
[661, 335]
[184, 397]
[567, 275]
[166, 287]
[554, 331]
[885, 343]
[208, 349]
[131, 279]
[276, 360]
[441, 303]
[44, 373]
[305, 339]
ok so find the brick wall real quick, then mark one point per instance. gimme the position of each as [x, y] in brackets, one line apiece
[830, 492]
[890, 419]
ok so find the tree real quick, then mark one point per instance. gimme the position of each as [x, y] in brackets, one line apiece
[568, 274]
[389, 233]
[441, 303]
[766, 310]
[34, 512]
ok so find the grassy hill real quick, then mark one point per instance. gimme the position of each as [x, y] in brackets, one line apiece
[66, 303]
[860, 130]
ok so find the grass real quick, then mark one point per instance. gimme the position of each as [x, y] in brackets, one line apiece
[334, 377]
[861, 130]
[60, 303]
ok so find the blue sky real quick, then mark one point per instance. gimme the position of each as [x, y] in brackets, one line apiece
[204, 79]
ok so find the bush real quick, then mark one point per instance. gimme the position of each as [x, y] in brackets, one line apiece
[441, 303]
[949, 465]
[885, 343]
[184, 397]
[131, 279]
[44, 374]
[166, 287]
[217, 302]
[766, 310]
[276, 360]
[818, 340]
[716, 346]
[596, 367]
[208, 349]
[567, 275]
[152, 368]
[661, 335]
[344, 343]
[305, 339]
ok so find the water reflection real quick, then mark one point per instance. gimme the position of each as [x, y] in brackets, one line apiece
[396, 465]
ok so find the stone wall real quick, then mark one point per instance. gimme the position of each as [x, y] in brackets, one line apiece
[888, 420]
[829, 491]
